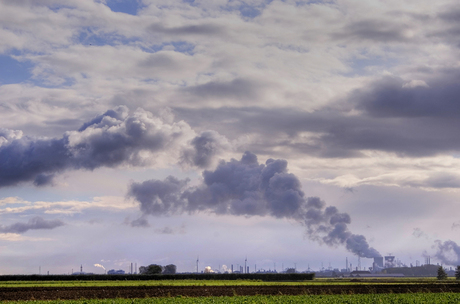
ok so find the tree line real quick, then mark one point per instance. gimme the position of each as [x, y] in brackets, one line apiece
[157, 269]
[442, 275]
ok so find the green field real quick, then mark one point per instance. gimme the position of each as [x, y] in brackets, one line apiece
[329, 299]
[209, 282]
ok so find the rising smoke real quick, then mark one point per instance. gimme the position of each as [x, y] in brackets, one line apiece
[246, 188]
[447, 252]
[112, 139]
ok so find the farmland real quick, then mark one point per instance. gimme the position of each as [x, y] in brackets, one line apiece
[214, 289]
[446, 298]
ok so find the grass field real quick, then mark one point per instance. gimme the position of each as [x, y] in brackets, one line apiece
[416, 298]
[211, 282]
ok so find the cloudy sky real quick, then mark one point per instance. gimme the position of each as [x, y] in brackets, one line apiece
[291, 132]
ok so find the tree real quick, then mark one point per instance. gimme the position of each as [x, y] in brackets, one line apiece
[151, 269]
[170, 269]
[457, 273]
[442, 275]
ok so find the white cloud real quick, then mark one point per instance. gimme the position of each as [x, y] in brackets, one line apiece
[14, 237]
[106, 203]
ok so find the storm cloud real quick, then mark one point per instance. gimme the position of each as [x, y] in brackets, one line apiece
[109, 140]
[246, 188]
[413, 118]
[33, 224]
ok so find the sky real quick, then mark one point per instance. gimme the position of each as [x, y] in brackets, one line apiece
[291, 133]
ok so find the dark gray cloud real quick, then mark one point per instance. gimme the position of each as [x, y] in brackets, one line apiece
[158, 61]
[443, 180]
[449, 31]
[119, 113]
[447, 252]
[238, 89]
[409, 118]
[372, 30]
[187, 30]
[204, 149]
[140, 222]
[246, 188]
[338, 135]
[33, 224]
[169, 230]
[159, 197]
[456, 225]
[393, 97]
[27, 159]
[43, 180]
[108, 140]
[418, 233]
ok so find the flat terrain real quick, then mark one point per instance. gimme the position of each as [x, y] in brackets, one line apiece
[98, 292]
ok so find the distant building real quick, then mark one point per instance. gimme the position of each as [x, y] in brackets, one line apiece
[389, 261]
[381, 275]
[378, 261]
[113, 271]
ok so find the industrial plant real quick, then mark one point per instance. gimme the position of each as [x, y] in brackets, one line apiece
[382, 266]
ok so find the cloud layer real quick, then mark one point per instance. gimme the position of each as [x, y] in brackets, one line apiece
[33, 224]
[112, 139]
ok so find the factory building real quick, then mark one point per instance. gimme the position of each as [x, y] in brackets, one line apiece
[113, 271]
[389, 261]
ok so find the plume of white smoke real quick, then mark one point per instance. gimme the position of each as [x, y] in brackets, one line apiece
[447, 252]
[208, 269]
[246, 188]
[99, 265]
[225, 269]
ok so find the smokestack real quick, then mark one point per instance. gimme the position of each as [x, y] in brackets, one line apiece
[131, 268]
[245, 261]
[232, 268]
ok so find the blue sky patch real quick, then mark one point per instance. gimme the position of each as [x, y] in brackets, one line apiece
[125, 6]
[249, 11]
[360, 67]
[13, 71]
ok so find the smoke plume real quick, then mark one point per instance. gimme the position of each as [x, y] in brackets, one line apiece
[447, 252]
[204, 149]
[112, 139]
[246, 188]
[99, 265]
[33, 224]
